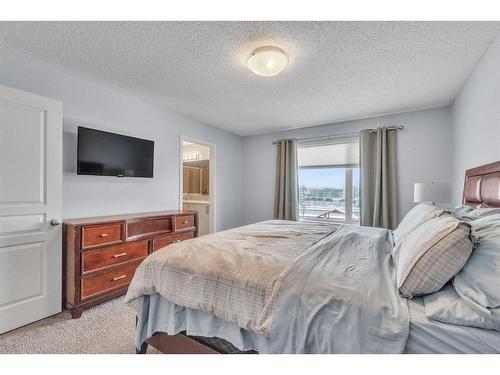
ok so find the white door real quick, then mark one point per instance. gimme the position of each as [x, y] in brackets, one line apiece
[30, 197]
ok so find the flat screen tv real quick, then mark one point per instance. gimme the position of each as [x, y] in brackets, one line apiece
[102, 153]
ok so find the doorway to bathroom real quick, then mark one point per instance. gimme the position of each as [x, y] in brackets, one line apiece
[197, 181]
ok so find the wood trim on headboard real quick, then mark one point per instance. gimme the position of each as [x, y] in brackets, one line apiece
[483, 169]
[478, 174]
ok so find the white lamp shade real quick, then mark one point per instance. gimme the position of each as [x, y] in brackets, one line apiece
[436, 192]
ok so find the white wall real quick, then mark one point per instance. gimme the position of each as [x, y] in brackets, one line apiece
[476, 117]
[90, 104]
[424, 155]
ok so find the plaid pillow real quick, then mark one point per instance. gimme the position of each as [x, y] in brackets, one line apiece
[431, 255]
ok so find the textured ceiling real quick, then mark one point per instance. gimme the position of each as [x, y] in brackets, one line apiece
[337, 71]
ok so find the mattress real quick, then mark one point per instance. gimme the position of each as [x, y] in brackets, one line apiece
[432, 337]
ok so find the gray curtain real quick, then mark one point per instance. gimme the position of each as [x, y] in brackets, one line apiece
[286, 195]
[378, 185]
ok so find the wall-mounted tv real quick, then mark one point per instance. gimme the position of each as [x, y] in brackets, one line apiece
[102, 153]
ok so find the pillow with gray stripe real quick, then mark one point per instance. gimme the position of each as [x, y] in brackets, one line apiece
[427, 258]
[418, 215]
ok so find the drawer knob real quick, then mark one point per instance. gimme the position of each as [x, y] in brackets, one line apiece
[185, 222]
[103, 235]
[119, 277]
[119, 255]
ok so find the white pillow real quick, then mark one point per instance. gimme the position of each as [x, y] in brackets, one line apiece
[479, 281]
[417, 216]
[446, 306]
[480, 212]
[461, 211]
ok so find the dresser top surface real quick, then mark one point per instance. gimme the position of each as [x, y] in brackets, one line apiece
[139, 215]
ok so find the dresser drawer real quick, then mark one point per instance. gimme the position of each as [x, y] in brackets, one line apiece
[168, 239]
[115, 278]
[149, 226]
[184, 221]
[101, 234]
[95, 259]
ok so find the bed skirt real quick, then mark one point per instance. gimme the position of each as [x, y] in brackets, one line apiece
[156, 314]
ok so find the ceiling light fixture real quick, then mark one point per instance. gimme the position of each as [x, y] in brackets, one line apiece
[267, 61]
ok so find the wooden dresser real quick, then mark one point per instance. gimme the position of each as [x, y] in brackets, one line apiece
[102, 253]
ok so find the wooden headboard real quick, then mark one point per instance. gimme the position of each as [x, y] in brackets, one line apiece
[482, 186]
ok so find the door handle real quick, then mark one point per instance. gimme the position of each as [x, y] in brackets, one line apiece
[55, 222]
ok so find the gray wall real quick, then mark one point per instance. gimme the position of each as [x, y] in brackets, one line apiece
[424, 155]
[476, 117]
[88, 103]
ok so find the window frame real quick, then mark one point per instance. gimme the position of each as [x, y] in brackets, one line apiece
[348, 184]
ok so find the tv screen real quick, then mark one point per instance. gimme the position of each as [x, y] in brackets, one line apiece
[107, 154]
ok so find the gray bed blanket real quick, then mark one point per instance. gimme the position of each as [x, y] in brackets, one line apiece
[340, 297]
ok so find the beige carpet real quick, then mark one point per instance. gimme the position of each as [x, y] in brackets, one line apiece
[106, 328]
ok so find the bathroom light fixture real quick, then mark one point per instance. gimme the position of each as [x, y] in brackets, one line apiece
[267, 61]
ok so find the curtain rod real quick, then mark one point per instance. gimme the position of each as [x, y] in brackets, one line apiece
[400, 127]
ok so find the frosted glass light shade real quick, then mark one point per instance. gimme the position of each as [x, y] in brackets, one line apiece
[437, 192]
[267, 61]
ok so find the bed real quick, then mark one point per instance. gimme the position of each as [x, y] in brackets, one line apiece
[243, 291]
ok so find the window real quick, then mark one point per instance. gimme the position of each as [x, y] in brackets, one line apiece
[329, 180]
